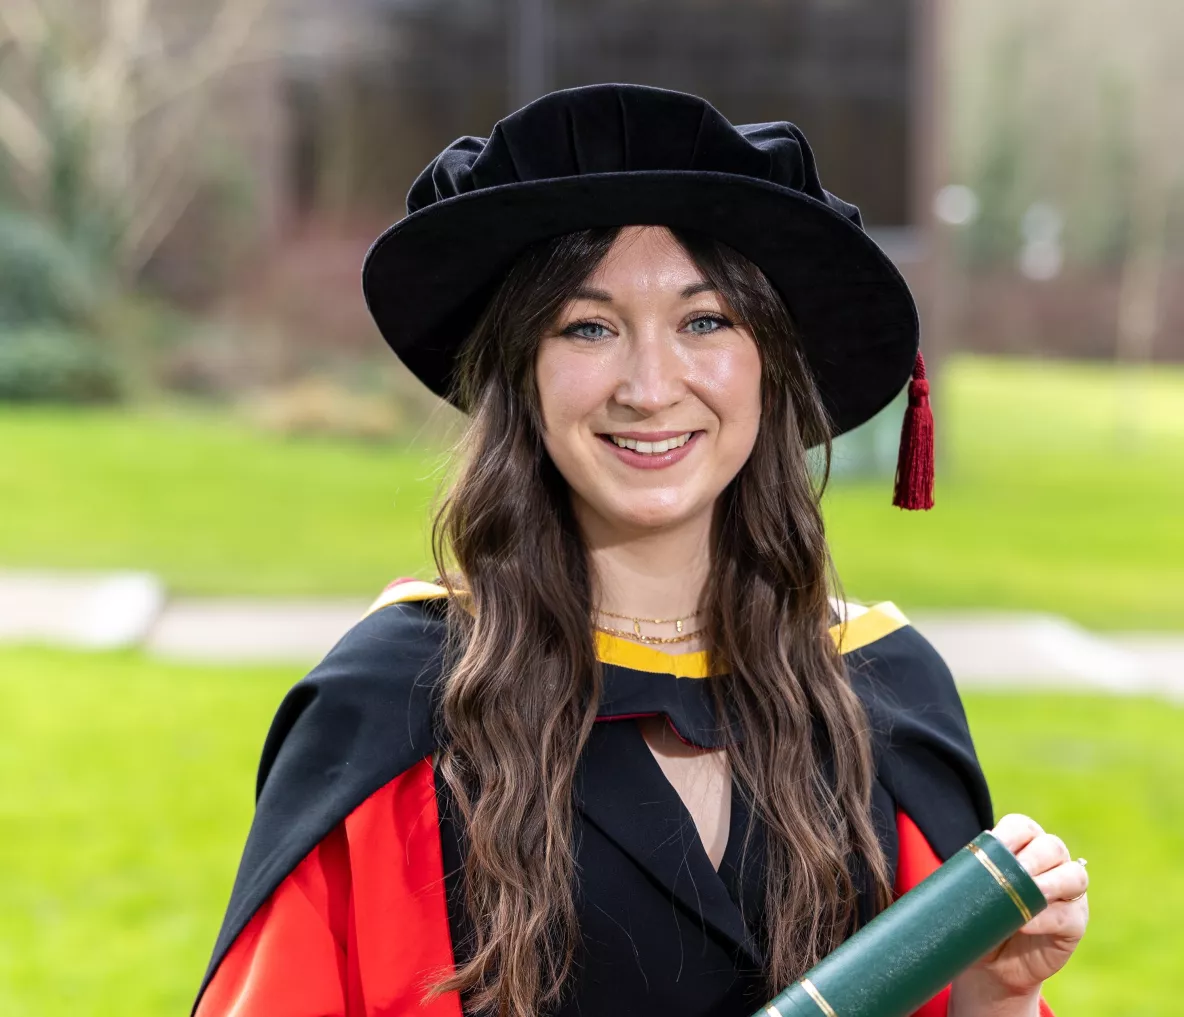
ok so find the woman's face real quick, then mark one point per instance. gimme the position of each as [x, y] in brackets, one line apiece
[650, 389]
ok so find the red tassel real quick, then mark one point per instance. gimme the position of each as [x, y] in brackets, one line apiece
[914, 466]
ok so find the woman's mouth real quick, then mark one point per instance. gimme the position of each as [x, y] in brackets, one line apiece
[651, 451]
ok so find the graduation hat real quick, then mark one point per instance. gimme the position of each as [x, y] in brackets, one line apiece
[624, 154]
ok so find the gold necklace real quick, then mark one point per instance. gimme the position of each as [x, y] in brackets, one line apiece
[677, 622]
[683, 638]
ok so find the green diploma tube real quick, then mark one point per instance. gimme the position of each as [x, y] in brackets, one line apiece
[914, 948]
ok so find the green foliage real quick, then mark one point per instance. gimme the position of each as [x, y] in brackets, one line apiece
[996, 175]
[47, 363]
[127, 794]
[66, 189]
[1074, 104]
[43, 277]
[56, 302]
[1100, 230]
[111, 158]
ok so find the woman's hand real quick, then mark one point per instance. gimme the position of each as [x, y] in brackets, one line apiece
[1008, 980]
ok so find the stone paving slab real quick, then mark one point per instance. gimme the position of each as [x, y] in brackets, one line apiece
[1045, 653]
[1161, 656]
[1017, 648]
[83, 610]
[252, 631]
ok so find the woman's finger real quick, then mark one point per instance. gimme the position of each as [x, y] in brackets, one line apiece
[1063, 882]
[1062, 918]
[1015, 831]
[1042, 853]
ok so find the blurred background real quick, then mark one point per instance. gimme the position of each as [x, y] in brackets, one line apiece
[210, 463]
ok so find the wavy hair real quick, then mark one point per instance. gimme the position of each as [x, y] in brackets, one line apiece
[522, 679]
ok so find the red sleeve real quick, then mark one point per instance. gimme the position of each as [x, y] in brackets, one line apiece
[358, 928]
[916, 861]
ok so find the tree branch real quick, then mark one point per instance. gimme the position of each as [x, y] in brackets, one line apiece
[21, 137]
[229, 33]
[25, 24]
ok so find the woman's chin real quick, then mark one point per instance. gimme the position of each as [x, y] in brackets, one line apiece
[632, 516]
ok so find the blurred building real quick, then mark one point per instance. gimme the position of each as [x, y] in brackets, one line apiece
[358, 95]
[381, 85]
[365, 92]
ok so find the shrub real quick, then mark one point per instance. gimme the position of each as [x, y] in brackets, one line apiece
[49, 362]
[43, 277]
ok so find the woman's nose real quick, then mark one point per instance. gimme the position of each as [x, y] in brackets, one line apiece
[653, 375]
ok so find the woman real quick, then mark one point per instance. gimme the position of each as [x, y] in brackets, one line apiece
[628, 756]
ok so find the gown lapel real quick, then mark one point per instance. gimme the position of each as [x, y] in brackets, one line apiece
[622, 791]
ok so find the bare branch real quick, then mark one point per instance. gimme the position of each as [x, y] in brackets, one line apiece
[21, 137]
[163, 182]
[150, 230]
[25, 24]
[229, 34]
[123, 31]
[165, 175]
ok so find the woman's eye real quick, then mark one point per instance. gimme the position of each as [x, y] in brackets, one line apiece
[705, 324]
[577, 329]
[702, 324]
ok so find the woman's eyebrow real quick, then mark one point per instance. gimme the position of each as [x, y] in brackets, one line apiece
[587, 293]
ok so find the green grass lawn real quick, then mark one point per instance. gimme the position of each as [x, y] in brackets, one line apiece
[210, 504]
[1060, 489]
[125, 794]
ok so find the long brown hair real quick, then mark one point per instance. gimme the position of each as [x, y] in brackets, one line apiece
[522, 679]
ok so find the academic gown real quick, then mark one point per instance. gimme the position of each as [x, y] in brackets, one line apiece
[348, 899]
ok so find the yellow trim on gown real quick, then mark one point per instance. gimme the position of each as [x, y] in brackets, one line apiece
[856, 631]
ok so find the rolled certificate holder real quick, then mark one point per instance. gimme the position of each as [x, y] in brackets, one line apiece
[914, 948]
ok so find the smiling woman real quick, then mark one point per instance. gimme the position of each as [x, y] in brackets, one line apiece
[671, 375]
[499, 794]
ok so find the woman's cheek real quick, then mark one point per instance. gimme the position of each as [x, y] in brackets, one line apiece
[569, 385]
[729, 381]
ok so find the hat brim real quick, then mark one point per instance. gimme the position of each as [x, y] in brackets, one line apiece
[428, 277]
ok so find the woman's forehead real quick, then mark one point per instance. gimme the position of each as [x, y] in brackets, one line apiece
[645, 258]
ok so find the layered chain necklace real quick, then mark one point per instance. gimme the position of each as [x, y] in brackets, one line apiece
[681, 635]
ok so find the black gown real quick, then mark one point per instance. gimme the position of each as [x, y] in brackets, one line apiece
[347, 900]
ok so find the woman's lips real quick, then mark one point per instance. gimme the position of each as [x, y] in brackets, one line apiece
[651, 460]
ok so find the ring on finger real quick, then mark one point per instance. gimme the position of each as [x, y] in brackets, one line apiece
[1082, 862]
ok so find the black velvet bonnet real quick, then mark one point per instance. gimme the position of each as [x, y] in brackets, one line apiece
[622, 154]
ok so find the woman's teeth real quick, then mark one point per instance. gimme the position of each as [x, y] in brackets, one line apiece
[651, 447]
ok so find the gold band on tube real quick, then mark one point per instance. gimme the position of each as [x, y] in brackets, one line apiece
[815, 995]
[1002, 880]
[772, 1011]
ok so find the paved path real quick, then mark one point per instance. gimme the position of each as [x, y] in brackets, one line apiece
[999, 649]
[300, 631]
[1014, 650]
[91, 611]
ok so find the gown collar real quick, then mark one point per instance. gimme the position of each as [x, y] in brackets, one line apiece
[639, 681]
